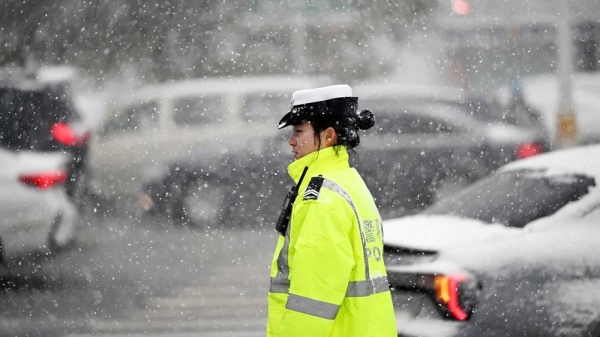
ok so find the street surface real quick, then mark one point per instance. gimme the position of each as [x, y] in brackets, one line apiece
[129, 277]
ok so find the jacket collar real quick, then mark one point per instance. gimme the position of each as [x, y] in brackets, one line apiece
[319, 162]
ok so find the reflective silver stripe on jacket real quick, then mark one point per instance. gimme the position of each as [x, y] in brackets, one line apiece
[335, 187]
[312, 307]
[368, 287]
[279, 286]
[355, 288]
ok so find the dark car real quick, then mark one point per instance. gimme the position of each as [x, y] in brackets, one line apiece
[414, 148]
[420, 146]
[511, 255]
[40, 115]
[242, 183]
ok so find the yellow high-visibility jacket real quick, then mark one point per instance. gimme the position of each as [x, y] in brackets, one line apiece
[328, 277]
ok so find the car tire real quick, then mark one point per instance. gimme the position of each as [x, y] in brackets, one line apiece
[592, 330]
[204, 205]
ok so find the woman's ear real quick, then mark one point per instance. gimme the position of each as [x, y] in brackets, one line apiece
[329, 137]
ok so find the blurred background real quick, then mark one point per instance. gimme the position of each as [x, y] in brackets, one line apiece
[141, 130]
[476, 44]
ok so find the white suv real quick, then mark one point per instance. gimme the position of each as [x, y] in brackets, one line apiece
[160, 123]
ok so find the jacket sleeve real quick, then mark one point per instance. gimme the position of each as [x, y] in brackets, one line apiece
[322, 263]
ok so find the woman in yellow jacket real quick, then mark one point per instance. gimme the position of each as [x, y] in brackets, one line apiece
[328, 277]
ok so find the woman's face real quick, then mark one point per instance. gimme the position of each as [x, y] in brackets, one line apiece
[303, 140]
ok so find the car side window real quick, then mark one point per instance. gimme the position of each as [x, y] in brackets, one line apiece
[27, 116]
[430, 126]
[265, 108]
[142, 117]
[392, 124]
[408, 124]
[201, 110]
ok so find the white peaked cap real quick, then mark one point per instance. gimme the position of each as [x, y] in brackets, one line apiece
[326, 102]
[307, 96]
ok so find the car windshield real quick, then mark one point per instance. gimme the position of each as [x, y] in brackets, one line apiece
[266, 108]
[203, 110]
[27, 116]
[514, 198]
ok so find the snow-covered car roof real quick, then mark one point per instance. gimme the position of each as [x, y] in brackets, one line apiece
[578, 237]
[573, 230]
[556, 247]
[437, 232]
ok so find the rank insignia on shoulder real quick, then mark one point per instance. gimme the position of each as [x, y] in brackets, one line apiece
[313, 188]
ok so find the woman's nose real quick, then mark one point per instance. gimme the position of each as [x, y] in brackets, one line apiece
[292, 140]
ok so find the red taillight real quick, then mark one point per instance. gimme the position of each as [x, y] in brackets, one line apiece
[44, 180]
[528, 149]
[458, 293]
[460, 7]
[64, 134]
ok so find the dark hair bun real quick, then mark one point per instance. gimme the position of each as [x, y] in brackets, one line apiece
[365, 120]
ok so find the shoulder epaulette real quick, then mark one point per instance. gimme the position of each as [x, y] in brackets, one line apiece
[313, 188]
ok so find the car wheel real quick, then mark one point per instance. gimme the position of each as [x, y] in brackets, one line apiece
[204, 205]
[62, 233]
[593, 330]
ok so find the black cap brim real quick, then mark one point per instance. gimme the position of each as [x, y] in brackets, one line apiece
[286, 120]
[337, 107]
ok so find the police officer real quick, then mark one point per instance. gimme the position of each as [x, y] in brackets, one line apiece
[328, 277]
